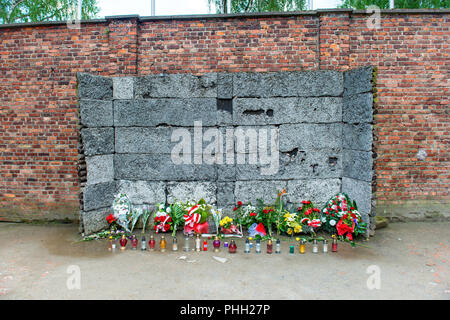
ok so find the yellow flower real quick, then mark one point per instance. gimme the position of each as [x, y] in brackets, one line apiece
[289, 231]
[286, 215]
[297, 239]
[298, 229]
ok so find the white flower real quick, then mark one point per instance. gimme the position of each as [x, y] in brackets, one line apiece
[324, 219]
[168, 210]
[332, 223]
[161, 207]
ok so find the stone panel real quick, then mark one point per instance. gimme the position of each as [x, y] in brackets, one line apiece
[175, 112]
[224, 86]
[184, 191]
[259, 111]
[358, 165]
[94, 87]
[98, 141]
[94, 221]
[310, 136]
[143, 192]
[123, 88]
[99, 195]
[250, 191]
[225, 194]
[357, 137]
[159, 167]
[358, 80]
[296, 165]
[361, 192]
[176, 86]
[100, 169]
[288, 84]
[319, 191]
[357, 108]
[96, 113]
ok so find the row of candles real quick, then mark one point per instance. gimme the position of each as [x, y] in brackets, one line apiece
[232, 247]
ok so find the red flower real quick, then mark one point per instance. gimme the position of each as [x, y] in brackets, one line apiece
[252, 214]
[110, 219]
[266, 211]
[351, 208]
[345, 216]
[299, 209]
[353, 216]
[239, 203]
[306, 202]
[235, 208]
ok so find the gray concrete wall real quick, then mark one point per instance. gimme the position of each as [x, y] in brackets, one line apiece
[320, 121]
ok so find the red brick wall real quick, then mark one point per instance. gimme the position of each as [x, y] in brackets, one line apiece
[38, 104]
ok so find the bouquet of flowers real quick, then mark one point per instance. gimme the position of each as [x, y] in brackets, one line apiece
[228, 227]
[122, 212]
[246, 215]
[162, 220]
[340, 215]
[197, 216]
[309, 217]
[289, 224]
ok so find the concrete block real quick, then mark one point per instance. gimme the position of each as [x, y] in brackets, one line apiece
[123, 87]
[96, 113]
[319, 191]
[358, 80]
[288, 84]
[153, 167]
[184, 191]
[310, 136]
[98, 141]
[358, 165]
[176, 86]
[143, 192]
[259, 111]
[250, 191]
[154, 112]
[358, 108]
[101, 195]
[357, 137]
[100, 169]
[361, 192]
[95, 220]
[94, 87]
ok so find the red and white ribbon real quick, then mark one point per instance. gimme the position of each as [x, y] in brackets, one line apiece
[192, 218]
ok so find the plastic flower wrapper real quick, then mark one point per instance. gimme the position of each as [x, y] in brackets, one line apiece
[340, 215]
[122, 210]
[217, 216]
[257, 229]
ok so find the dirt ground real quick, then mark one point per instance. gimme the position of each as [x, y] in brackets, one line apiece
[410, 260]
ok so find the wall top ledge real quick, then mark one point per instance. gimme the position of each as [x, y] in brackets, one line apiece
[229, 16]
